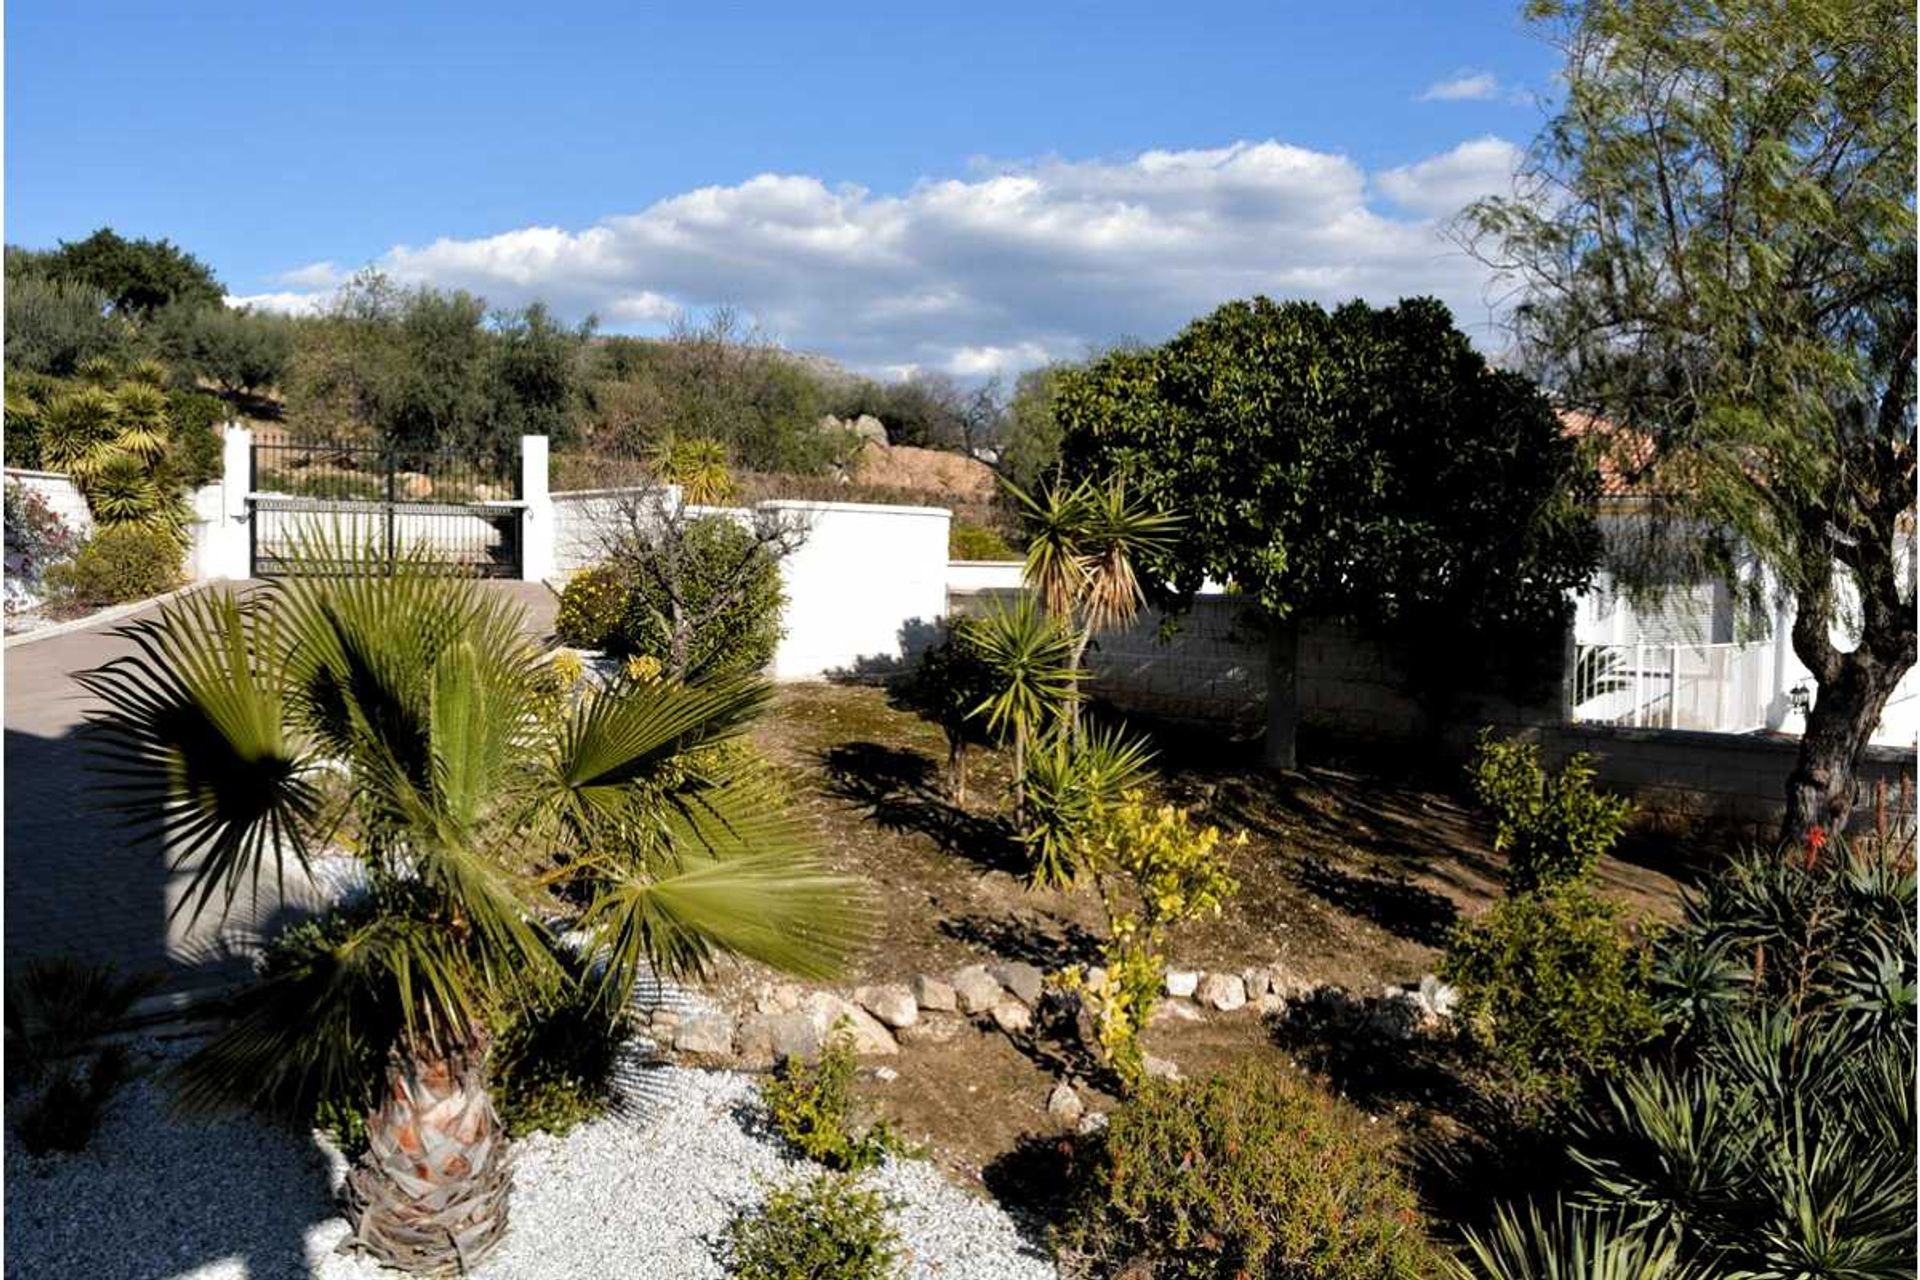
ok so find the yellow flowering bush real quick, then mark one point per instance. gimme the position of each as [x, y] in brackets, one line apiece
[1155, 867]
[643, 667]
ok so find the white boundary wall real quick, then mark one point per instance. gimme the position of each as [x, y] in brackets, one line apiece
[866, 590]
[60, 495]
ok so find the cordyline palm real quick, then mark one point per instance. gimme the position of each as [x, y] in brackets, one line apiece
[491, 813]
[1083, 542]
[1028, 655]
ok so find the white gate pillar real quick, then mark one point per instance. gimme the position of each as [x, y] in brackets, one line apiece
[228, 550]
[536, 517]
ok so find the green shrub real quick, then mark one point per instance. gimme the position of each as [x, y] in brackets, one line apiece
[825, 1227]
[1250, 1174]
[1552, 984]
[590, 608]
[966, 541]
[552, 1062]
[35, 533]
[1553, 829]
[119, 563]
[194, 452]
[812, 1107]
[726, 585]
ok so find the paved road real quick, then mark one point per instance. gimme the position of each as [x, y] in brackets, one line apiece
[77, 882]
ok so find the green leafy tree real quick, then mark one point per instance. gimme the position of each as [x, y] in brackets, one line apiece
[1365, 465]
[1030, 448]
[239, 351]
[491, 813]
[1715, 246]
[54, 326]
[137, 276]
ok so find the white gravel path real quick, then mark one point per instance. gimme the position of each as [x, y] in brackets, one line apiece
[155, 1198]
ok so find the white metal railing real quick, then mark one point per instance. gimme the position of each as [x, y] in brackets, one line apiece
[1718, 688]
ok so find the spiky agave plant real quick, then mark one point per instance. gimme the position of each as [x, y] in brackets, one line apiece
[1774, 1134]
[490, 814]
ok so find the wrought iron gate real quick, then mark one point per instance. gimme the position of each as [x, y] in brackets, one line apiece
[454, 511]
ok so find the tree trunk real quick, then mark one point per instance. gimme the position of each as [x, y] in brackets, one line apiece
[957, 770]
[430, 1194]
[1020, 776]
[1283, 693]
[1846, 710]
[1081, 640]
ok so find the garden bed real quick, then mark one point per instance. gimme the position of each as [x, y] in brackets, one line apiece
[1348, 877]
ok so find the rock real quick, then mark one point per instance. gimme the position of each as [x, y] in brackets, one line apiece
[781, 998]
[1396, 1015]
[1011, 1016]
[1288, 983]
[842, 1018]
[1257, 982]
[769, 1037]
[893, 1004]
[1182, 982]
[1160, 1068]
[1093, 1122]
[1439, 999]
[929, 1031]
[414, 485]
[1223, 991]
[1173, 1011]
[1272, 1004]
[867, 427]
[934, 995]
[1096, 977]
[1064, 1105]
[708, 1033]
[1021, 978]
[975, 989]
[885, 1075]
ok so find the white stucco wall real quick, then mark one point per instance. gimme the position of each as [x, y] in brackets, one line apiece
[60, 495]
[866, 589]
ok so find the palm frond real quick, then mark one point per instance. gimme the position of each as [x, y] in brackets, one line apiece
[1030, 656]
[193, 737]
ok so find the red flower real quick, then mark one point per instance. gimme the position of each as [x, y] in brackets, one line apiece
[1816, 841]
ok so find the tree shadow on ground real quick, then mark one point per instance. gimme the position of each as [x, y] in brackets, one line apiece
[1041, 941]
[901, 791]
[1392, 901]
[1035, 1183]
[1473, 1141]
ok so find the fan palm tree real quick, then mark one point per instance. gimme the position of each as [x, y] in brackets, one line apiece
[1083, 542]
[491, 811]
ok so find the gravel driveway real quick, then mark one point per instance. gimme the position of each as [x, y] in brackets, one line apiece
[155, 1197]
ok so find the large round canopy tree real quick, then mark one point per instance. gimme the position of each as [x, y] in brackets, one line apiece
[1715, 245]
[1365, 465]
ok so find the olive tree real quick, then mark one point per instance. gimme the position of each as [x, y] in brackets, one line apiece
[1364, 465]
[1714, 241]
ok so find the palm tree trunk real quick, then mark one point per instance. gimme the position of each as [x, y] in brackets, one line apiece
[430, 1194]
[1020, 775]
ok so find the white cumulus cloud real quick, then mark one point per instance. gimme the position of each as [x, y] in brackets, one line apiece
[1464, 86]
[1005, 268]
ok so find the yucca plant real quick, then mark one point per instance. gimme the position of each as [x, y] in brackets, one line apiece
[1083, 542]
[698, 465]
[1571, 1244]
[78, 431]
[1069, 779]
[1030, 677]
[491, 813]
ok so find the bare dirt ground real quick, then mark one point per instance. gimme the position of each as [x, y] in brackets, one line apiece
[1350, 875]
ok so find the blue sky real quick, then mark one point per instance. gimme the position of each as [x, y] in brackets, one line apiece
[971, 188]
